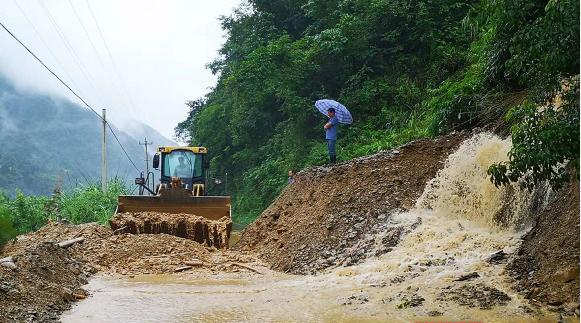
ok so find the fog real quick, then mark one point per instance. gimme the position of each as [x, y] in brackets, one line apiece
[150, 59]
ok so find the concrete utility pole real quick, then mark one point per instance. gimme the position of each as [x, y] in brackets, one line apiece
[104, 154]
[145, 143]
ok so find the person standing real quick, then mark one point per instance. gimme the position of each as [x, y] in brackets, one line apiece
[331, 134]
[291, 177]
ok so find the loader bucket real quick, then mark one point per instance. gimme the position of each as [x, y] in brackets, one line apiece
[205, 219]
[209, 207]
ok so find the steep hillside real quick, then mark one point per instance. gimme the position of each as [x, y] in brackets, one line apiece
[405, 69]
[44, 138]
[458, 238]
[547, 264]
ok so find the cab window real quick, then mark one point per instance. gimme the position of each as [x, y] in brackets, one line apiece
[183, 164]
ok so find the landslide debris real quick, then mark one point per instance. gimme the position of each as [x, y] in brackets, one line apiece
[547, 263]
[196, 228]
[48, 278]
[477, 295]
[329, 216]
[129, 254]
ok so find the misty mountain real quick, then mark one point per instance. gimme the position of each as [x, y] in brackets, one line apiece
[46, 139]
[140, 131]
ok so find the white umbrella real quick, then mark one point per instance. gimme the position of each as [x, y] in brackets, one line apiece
[341, 112]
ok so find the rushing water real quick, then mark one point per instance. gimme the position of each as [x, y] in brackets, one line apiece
[462, 218]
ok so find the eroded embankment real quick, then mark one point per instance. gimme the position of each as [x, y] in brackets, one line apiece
[547, 263]
[323, 219]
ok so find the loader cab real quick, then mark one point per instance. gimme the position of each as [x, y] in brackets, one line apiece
[187, 163]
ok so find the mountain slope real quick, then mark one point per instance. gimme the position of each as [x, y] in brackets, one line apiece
[44, 139]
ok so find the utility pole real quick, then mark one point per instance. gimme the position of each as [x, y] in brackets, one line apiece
[104, 154]
[226, 188]
[145, 143]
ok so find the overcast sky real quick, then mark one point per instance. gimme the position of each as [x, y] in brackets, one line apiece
[152, 58]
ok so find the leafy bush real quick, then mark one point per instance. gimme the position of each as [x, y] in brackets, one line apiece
[7, 230]
[90, 204]
[545, 145]
[85, 204]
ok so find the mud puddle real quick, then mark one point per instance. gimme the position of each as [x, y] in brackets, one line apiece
[275, 297]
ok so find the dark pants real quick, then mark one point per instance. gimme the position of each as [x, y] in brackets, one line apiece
[332, 153]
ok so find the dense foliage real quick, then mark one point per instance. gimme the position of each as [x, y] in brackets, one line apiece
[88, 203]
[540, 41]
[406, 69]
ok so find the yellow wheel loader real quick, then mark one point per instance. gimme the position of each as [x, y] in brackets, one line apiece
[179, 204]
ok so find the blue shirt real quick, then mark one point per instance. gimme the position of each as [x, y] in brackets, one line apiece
[331, 133]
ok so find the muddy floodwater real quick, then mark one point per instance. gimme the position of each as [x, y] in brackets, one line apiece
[270, 298]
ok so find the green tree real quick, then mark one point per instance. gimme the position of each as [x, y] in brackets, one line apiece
[537, 48]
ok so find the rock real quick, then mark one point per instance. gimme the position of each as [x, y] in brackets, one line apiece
[532, 293]
[194, 263]
[555, 302]
[435, 313]
[183, 268]
[411, 301]
[567, 275]
[356, 299]
[6, 286]
[469, 276]
[497, 257]
[8, 264]
[67, 294]
[477, 295]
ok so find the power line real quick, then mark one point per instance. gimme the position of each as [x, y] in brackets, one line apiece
[86, 33]
[73, 92]
[86, 74]
[38, 34]
[97, 53]
[113, 64]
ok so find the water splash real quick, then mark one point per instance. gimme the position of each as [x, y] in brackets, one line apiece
[463, 190]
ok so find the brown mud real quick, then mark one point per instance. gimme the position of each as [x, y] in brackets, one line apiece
[46, 281]
[188, 226]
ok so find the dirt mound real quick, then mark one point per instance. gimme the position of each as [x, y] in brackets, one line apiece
[56, 232]
[143, 254]
[547, 263]
[49, 277]
[130, 254]
[196, 228]
[46, 281]
[328, 215]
